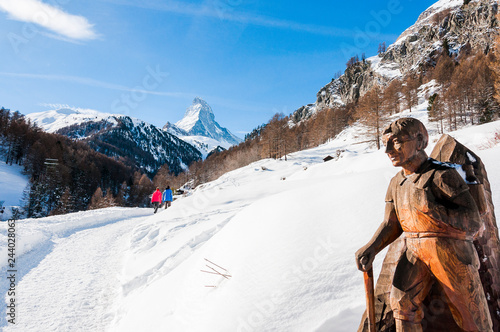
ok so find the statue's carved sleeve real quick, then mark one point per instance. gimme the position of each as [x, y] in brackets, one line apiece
[451, 191]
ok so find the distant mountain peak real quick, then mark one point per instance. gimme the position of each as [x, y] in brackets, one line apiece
[204, 104]
[199, 120]
[198, 114]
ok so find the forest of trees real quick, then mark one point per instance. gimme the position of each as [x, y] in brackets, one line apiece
[66, 175]
[468, 92]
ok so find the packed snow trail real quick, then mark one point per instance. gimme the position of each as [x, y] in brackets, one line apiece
[73, 287]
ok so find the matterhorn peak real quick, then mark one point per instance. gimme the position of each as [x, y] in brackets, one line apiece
[199, 111]
[199, 120]
[204, 104]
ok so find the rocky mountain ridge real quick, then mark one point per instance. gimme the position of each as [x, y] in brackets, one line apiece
[448, 23]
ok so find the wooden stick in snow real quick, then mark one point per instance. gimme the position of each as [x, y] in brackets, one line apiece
[216, 265]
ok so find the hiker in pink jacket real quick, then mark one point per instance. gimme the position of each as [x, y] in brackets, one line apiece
[156, 199]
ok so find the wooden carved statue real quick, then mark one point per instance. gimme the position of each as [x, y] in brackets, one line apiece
[433, 220]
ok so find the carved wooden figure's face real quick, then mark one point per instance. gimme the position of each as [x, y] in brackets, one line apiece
[401, 149]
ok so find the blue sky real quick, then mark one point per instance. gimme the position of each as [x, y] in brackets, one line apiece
[148, 59]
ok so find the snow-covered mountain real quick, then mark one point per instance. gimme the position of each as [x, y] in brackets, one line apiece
[139, 144]
[53, 120]
[122, 136]
[199, 128]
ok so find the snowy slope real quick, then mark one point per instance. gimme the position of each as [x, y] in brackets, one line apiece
[445, 4]
[12, 184]
[285, 231]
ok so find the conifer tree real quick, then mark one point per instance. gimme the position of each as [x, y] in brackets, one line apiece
[273, 135]
[65, 203]
[462, 81]
[381, 48]
[451, 105]
[486, 106]
[38, 202]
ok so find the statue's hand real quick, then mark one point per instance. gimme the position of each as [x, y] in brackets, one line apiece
[364, 258]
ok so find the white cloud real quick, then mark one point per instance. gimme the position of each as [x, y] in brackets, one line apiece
[50, 17]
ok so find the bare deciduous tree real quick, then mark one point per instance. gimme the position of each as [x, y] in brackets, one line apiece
[371, 113]
[410, 91]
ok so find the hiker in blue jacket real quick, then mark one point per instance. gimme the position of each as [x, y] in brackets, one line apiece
[167, 197]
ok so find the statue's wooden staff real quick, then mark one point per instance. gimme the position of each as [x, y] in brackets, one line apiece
[370, 299]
